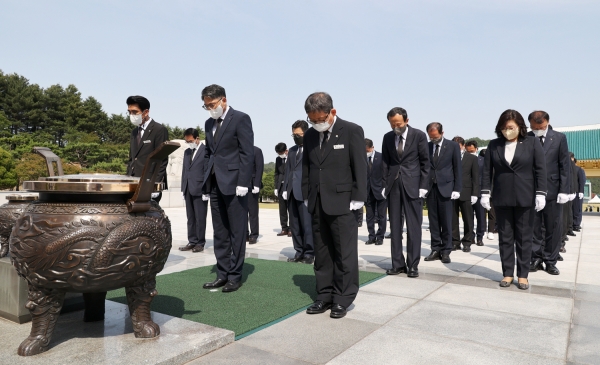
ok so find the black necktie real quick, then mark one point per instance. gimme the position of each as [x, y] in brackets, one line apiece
[192, 155]
[400, 148]
[139, 136]
[436, 154]
[370, 163]
[217, 130]
[542, 140]
[298, 154]
[325, 139]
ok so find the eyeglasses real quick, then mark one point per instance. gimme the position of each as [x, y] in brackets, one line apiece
[321, 121]
[133, 112]
[212, 105]
[297, 135]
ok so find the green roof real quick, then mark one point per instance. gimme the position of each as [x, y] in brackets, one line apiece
[584, 144]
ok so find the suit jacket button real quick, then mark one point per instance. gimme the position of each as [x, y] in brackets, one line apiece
[136, 159]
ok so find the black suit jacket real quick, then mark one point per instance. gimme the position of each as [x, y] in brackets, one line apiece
[558, 163]
[257, 171]
[375, 176]
[470, 177]
[480, 163]
[153, 137]
[192, 176]
[574, 181]
[448, 170]
[339, 173]
[580, 179]
[517, 184]
[293, 175]
[413, 168]
[279, 172]
[232, 153]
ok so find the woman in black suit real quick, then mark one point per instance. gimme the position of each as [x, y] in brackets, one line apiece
[516, 168]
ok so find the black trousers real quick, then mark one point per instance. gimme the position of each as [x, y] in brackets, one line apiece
[466, 209]
[577, 212]
[301, 227]
[491, 214]
[336, 256]
[401, 205]
[196, 210]
[569, 216]
[514, 231]
[230, 224]
[547, 232]
[376, 212]
[480, 216]
[283, 210]
[253, 214]
[359, 215]
[440, 221]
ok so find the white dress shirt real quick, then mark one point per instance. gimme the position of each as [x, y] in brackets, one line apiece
[509, 151]
[403, 139]
[143, 127]
[439, 144]
[329, 130]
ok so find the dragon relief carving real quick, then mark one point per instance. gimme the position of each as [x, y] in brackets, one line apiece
[9, 213]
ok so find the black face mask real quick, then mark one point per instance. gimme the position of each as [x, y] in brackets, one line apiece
[298, 140]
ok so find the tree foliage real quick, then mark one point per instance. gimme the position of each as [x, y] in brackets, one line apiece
[8, 175]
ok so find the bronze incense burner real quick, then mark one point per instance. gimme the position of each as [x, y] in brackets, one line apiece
[9, 213]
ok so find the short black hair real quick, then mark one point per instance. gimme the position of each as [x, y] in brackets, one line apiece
[318, 102]
[538, 116]
[507, 116]
[280, 147]
[213, 91]
[482, 152]
[471, 143]
[368, 143]
[435, 125]
[396, 111]
[459, 140]
[191, 132]
[140, 101]
[300, 124]
[571, 154]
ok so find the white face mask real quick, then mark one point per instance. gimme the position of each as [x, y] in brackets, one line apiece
[474, 153]
[539, 132]
[136, 120]
[216, 113]
[369, 154]
[321, 127]
[192, 144]
[283, 155]
[510, 133]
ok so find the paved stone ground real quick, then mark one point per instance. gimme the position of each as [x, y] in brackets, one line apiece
[451, 314]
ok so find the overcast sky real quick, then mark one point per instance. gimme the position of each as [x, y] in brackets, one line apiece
[460, 63]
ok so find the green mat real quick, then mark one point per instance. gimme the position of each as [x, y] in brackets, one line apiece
[272, 291]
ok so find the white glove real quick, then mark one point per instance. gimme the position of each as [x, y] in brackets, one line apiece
[540, 202]
[155, 195]
[354, 205]
[580, 195]
[306, 203]
[255, 190]
[422, 193]
[284, 195]
[205, 197]
[455, 195]
[383, 192]
[485, 201]
[275, 191]
[562, 198]
[241, 190]
[572, 197]
[473, 200]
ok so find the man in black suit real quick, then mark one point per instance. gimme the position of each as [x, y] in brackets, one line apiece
[280, 165]
[229, 161]
[405, 171]
[468, 196]
[471, 147]
[255, 186]
[145, 138]
[376, 202]
[192, 179]
[300, 219]
[445, 184]
[334, 185]
[567, 228]
[546, 247]
[578, 202]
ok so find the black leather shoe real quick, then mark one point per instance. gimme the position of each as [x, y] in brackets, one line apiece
[295, 259]
[187, 247]
[360, 224]
[252, 241]
[396, 271]
[479, 243]
[577, 229]
[317, 307]
[308, 260]
[215, 284]
[455, 247]
[388, 236]
[413, 272]
[552, 270]
[231, 286]
[337, 311]
[284, 232]
[434, 255]
[571, 233]
[467, 249]
[378, 242]
[446, 258]
[536, 265]
[198, 248]
[566, 239]
[563, 249]
[560, 258]
[370, 242]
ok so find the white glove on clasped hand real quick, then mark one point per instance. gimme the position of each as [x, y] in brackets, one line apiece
[354, 205]
[571, 197]
[580, 195]
[306, 203]
[241, 190]
[562, 198]
[485, 201]
[422, 193]
[205, 197]
[155, 195]
[255, 190]
[383, 192]
[473, 200]
[275, 191]
[455, 195]
[540, 202]
[284, 195]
